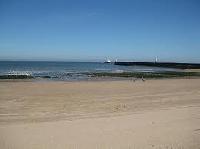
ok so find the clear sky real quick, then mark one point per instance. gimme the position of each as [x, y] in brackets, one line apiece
[95, 29]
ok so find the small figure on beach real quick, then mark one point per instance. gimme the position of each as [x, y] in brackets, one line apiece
[143, 79]
[134, 79]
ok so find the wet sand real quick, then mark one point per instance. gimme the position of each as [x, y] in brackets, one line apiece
[100, 114]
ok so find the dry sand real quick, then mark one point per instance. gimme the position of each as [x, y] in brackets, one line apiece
[100, 115]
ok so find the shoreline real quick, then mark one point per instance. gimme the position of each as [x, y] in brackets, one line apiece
[100, 79]
[190, 73]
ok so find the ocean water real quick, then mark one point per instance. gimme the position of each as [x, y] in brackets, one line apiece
[67, 70]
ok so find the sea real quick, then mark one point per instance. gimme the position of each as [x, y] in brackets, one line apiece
[68, 71]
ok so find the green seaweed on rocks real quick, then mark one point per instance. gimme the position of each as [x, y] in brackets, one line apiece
[146, 74]
[16, 77]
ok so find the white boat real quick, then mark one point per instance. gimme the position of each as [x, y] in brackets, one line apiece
[107, 61]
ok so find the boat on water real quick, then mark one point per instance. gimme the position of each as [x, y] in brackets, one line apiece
[107, 61]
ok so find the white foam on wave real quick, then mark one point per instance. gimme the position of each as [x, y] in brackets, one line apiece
[27, 73]
[118, 71]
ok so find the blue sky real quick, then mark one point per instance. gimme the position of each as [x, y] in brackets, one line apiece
[92, 30]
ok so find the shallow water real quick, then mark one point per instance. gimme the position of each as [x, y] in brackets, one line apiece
[67, 70]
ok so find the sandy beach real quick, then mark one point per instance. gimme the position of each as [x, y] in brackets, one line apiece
[157, 114]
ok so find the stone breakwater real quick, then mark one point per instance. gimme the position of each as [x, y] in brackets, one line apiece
[162, 64]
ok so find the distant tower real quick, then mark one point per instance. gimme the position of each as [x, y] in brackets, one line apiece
[156, 59]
